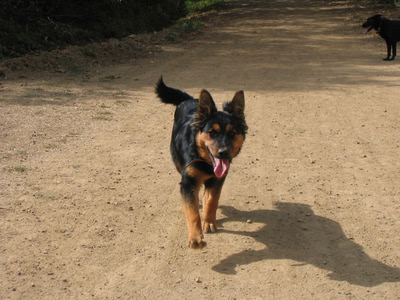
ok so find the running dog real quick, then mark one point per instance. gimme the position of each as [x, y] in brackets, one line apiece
[204, 142]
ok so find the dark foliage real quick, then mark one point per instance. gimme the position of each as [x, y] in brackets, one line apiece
[34, 25]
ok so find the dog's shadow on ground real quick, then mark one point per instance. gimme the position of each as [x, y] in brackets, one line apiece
[294, 232]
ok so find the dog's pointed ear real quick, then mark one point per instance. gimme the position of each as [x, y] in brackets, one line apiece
[206, 104]
[205, 109]
[236, 106]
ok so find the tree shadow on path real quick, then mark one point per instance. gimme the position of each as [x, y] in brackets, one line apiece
[295, 232]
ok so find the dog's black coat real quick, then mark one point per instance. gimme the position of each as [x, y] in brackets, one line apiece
[203, 143]
[183, 145]
[389, 30]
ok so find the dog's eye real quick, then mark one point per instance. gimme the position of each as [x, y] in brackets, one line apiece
[231, 133]
[213, 133]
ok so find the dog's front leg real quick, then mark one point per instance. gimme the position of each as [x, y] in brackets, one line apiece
[190, 194]
[394, 50]
[212, 192]
[389, 50]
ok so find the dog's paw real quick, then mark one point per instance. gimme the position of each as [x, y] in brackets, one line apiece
[209, 227]
[197, 243]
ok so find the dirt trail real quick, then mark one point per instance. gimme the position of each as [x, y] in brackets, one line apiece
[89, 198]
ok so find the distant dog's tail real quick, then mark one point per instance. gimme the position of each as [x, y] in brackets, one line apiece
[170, 95]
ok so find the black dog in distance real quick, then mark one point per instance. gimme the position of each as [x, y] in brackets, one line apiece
[389, 30]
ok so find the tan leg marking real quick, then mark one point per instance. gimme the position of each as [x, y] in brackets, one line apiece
[196, 238]
[210, 205]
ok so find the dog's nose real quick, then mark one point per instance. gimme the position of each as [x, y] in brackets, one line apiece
[223, 153]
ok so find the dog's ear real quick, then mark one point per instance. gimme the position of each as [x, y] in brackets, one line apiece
[205, 109]
[236, 106]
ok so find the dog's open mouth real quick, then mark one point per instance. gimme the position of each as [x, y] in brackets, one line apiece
[368, 29]
[221, 166]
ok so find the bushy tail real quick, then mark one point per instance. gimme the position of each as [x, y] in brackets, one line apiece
[170, 95]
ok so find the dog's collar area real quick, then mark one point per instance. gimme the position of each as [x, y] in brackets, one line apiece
[200, 159]
[379, 29]
[197, 160]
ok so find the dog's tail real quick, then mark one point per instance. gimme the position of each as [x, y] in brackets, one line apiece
[170, 95]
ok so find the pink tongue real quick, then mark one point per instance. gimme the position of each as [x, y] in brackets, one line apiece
[221, 167]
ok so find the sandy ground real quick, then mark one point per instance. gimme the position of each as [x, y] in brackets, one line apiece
[89, 198]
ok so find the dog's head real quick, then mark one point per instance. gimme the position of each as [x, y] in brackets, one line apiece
[373, 22]
[220, 134]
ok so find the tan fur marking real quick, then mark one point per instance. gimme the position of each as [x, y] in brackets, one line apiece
[237, 144]
[210, 205]
[193, 223]
[216, 127]
[203, 141]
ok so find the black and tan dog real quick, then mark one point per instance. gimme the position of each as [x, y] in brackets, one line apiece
[389, 30]
[204, 142]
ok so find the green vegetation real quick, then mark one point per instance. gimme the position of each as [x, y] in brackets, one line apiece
[201, 5]
[28, 26]
[35, 25]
